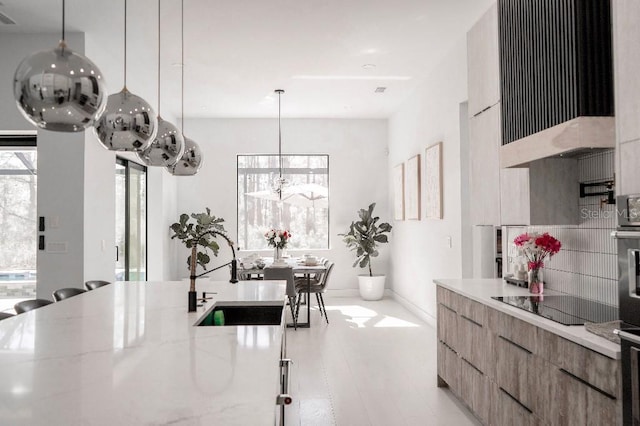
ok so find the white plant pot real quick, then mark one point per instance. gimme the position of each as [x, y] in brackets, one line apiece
[371, 288]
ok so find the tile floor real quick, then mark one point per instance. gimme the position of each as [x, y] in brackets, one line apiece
[374, 364]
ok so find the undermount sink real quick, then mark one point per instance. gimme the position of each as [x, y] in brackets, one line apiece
[243, 313]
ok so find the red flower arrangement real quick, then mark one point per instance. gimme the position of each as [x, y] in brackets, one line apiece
[277, 238]
[537, 247]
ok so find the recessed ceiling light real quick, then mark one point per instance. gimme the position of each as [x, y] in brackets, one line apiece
[177, 64]
[369, 66]
[380, 89]
[370, 51]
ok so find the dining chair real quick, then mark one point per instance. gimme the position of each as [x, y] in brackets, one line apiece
[318, 287]
[5, 315]
[285, 274]
[93, 284]
[65, 293]
[29, 305]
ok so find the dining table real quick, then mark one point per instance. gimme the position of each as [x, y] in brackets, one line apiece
[299, 266]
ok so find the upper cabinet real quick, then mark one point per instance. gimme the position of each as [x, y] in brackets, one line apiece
[626, 33]
[483, 78]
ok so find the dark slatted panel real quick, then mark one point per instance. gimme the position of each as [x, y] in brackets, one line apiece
[555, 63]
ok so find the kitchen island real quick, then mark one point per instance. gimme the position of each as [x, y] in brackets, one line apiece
[511, 366]
[129, 353]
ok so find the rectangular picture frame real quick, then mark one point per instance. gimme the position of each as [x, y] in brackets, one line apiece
[433, 181]
[398, 192]
[412, 188]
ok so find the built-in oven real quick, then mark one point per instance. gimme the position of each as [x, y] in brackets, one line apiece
[627, 237]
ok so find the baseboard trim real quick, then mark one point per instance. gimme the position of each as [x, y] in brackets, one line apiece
[424, 316]
[343, 292]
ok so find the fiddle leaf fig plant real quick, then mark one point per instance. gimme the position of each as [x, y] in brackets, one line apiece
[199, 230]
[364, 236]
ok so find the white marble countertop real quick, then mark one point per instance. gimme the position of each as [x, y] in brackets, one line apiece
[481, 290]
[129, 354]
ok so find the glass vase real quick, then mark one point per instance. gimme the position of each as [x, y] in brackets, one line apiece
[536, 284]
[277, 254]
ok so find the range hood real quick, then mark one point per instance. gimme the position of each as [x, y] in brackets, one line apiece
[577, 136]
[556, 78]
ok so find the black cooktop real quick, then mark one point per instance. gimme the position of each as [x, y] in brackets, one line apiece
[567, 310]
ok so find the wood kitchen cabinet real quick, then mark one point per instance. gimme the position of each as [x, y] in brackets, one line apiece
[509, 371]
[483, 80]
[626, 33]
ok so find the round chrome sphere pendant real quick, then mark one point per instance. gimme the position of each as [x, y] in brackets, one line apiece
[128, 123]
[166, 149]
[190, 162]
[59, 90]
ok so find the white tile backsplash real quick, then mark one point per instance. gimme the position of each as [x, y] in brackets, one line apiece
[586, 265]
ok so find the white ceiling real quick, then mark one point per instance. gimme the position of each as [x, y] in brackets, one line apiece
[238, 51]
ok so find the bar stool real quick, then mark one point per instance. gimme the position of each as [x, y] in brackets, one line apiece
[65, 293]
[93, 284]
[29, 305]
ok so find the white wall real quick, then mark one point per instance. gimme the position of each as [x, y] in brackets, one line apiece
[357, 175]
[420, 251]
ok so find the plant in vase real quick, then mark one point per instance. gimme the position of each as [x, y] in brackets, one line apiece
[278, 239]
[363, 237]
[201, 232]
[536, 247]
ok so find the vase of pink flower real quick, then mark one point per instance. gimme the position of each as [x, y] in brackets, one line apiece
[278, 239]
[536, 247]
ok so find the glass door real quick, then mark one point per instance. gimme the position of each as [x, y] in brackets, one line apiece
[131, 221]
[18, 219]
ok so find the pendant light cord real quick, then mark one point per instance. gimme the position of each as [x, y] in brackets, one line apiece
[182, 60]
[279, 137]
[125, 44]
[63, 18]
[158, 58]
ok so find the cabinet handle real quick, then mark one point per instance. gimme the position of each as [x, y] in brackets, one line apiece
[447, 308]
[470, 320]
[516, 400]
[516, 345]
[584, 382]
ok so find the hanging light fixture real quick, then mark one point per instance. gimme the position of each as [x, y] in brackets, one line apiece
[191, 160]
[59, 89]
[279, 182]
[168, 146]
[129, 123]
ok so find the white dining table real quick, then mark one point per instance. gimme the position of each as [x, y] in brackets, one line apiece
[300, 268]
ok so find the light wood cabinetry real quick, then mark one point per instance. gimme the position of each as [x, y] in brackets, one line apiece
[626, 33]
[483, 59]
[508, 371]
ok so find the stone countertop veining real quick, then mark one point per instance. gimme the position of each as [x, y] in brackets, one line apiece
[129, 353]
[481, 290]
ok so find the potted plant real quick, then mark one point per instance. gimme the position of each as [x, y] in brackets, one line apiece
[363, 237]
[200, 232]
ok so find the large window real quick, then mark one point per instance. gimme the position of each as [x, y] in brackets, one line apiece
[131, 221]
[303, 210]
[18, 214]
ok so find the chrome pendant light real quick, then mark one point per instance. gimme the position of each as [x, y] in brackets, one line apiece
[168, 146]
[279, 182]
[59, 89]
[129, 123]
[191, 160]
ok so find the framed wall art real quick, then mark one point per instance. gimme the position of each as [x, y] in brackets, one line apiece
[398, 192]
[433, 181]
[412, 189]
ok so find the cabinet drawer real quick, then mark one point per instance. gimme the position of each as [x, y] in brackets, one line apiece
[598, 370]
[447, 298]
[449, 366]
[472, 310]
[507, 411]
[516, 372]
[472, 342]
[514, 329]
[448, 326]
[575, 402]
[474, 390]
